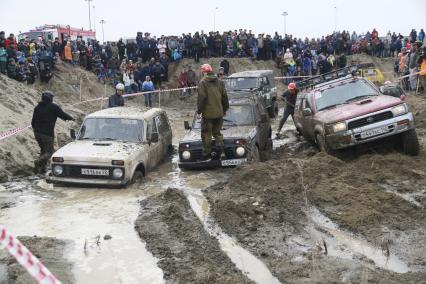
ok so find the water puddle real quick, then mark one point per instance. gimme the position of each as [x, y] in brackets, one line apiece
[407, 196]
[345, 245]
[85, 216]
[252, 267]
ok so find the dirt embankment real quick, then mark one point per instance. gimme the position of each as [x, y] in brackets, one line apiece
[187, 253]
[48, 250]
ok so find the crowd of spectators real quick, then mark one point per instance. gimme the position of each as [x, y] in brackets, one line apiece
[132, 60]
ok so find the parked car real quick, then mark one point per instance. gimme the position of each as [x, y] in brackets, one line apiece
[247, 136]
[260, 83]
[349, 111]
[114, 146]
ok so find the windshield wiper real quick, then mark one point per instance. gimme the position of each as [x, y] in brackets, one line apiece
[327, 107]
[231, 121]
[359, 97]
[108, 139]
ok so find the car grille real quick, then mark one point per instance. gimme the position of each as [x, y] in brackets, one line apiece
[197, 154]
[370, 119]
[74, 171]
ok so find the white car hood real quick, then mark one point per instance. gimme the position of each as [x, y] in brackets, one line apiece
[98, 151]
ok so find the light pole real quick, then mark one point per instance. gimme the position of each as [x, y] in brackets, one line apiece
[214, 19]
[284, 14]
[102, 22]
[90, 21]
[335, 18]
[94, 18]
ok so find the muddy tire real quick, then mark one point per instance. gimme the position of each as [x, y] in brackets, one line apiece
[267, 152]
[271, 110]
[254, 155]
[410, 143]
[322, 144]
[170, 150]
[138, 177]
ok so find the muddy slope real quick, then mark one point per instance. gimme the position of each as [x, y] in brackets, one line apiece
[48, 250]
[187, 253]
[266, 209]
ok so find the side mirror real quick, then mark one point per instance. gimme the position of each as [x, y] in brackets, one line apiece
[403, 97]
[72, 134]
[186, 125]
[154, 137]
[263, 118]
[307, 112]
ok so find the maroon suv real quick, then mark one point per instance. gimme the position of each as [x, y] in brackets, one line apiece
[349, 111]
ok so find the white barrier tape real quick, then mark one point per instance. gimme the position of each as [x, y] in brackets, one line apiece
[159, 91]
[12, 132]
[137, 94]
[409, 75]
[34, 267]
[290, 77]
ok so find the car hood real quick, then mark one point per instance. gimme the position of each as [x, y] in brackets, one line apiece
[357, 108]
[241, 94]
[227, 132]
[98, 151]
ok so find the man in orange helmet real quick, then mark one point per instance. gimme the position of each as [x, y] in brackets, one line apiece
[289, 96]
[212, 106]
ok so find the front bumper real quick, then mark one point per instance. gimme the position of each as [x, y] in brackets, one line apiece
[355, 136]
[86, 181]
[211, 164]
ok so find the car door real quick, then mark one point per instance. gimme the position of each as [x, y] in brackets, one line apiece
[307, 121]
[263, 128]
[165, 132]
[155, 155]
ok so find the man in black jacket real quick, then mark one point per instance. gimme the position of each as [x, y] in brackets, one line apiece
[43, 123]
[117, 99]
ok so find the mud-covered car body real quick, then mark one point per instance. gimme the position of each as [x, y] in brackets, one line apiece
[258, 83]
[349, 111]
[112, 147]
[247, 136]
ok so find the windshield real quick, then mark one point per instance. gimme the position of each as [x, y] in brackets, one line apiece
[129, 130]
[241, 83]
[344, 93]
[237, 115]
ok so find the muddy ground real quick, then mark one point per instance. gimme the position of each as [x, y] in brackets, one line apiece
[187, 253]
[301, 217]
[49, 251]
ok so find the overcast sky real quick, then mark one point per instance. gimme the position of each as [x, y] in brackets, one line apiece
[124, 18]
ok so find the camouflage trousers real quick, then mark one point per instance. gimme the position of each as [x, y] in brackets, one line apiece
[209, 128]
[45, 143]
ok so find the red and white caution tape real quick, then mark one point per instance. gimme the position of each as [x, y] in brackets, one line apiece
[12, 132]
[34, 267]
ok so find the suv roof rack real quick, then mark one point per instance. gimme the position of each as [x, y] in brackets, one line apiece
[324, 78]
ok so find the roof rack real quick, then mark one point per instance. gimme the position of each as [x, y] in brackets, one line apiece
[323, 78]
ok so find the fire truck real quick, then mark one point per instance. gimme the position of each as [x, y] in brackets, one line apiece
[50, 32]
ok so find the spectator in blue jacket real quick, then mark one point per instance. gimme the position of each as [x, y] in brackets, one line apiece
[148, 86]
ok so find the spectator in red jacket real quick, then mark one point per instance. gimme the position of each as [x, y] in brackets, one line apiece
[183, 79]
[10, 41]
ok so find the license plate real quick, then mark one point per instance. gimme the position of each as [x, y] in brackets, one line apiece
[234, 162]
[95, 172]
[374, 132]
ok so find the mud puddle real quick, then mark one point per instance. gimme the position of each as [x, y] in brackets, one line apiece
[407, 196]
[85, 216]
[251, 266]
[342, 244]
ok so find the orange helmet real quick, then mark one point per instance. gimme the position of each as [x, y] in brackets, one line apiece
[206, 68]
[292, 86]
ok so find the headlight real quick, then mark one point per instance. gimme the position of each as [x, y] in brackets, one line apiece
[240, 151]
[186, 155]
[338, 127]
[58, 170]
[399, 110]
[117, 173]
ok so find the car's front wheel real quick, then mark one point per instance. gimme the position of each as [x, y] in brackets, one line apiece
[254, 154]
[138, 177]
[322, 144]
[410, 143]
[267, 152]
